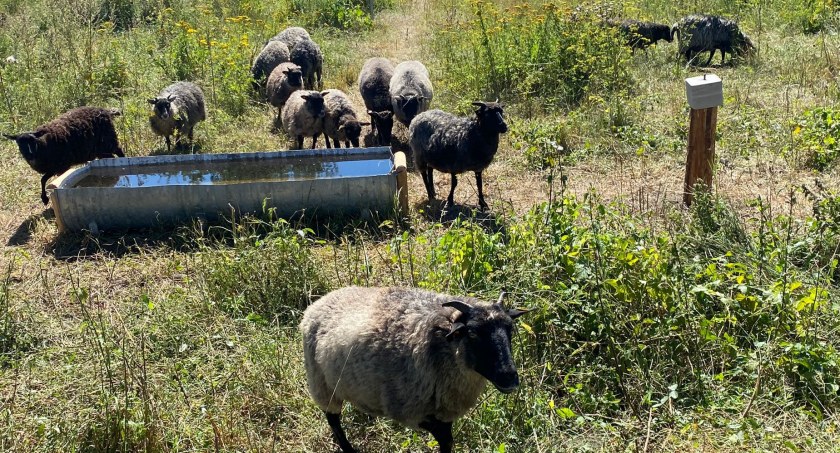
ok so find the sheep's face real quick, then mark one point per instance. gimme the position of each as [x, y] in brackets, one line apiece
[484, 337]
[491, 116]
[384, 123]
[27, 144]
[411, 106]
[294, 77]
[351, 131]
[662, 32]
[162, 106]
[315, 104]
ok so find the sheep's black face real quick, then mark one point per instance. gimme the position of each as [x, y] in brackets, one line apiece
[294, 77]
[411, 107]
[662, 32]
[162, 107]
[491, 115]
[352, 131]
[315, 104]
[486, 337]
[27, 144]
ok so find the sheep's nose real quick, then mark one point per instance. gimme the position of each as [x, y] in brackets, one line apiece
[507, 382]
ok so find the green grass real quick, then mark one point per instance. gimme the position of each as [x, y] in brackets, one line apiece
[657, 327]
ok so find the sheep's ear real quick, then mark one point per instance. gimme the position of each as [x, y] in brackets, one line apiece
[324, 93]
[341, 128]
[515, 313]
[463, 307]
[305, 96]
[152, 101]
[479, 104]
[456, 329]
[171, 97]
[365, 123]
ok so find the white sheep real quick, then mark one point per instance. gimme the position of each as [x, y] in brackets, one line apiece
[285, 79]
[303, 116]
[417, 357]
[179, 107]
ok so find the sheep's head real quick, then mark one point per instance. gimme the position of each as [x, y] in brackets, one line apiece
[294, 76]
[661, 31]
[315, 103]
[490, 116]
[27, 143]
[352, 130]
[745, 45]
[483, 334]
[162, 106]
[384, 123]
[411, 105]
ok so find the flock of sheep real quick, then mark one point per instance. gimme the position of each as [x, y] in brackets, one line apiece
[420, 358]
[696, 33]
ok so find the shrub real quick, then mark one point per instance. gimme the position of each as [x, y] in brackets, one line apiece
[270, 275]
[817, 134]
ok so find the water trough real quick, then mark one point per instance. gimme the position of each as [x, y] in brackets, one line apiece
[133, 192]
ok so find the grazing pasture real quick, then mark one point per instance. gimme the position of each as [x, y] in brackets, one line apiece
[656, 327]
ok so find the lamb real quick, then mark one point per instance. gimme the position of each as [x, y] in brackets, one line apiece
[292, 36]
[340, 123]
[308, 56]
[374, 85]
[284, 79]
[274, 53]
[179, 107]
[303, 116]
[75, 137]
[417, 357]
[453, 144]
[410, 90]
[699, 33]
[641, 35]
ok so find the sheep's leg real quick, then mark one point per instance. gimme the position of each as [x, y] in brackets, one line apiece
[442, 433]
[481, 203]
[315, 140]
[335, 423]
[327, 141]
[347, 143]
[426, 173]
[723, 56]
[44, 189]
[450, 200]
[711, 55]
[299, 142]
[168, 144]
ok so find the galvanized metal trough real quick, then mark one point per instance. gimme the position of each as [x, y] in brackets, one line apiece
[148, 191]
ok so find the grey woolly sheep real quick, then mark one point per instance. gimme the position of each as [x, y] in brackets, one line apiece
[410, 90]
[303, 116]
[641, 35]
[307, 54]
[699, 33]
[417, 357]
[274, 53]
[340, 123]
[75, 137]
[284, 79]
[292, 36]
[374, 86]
[452, 144]
[179, 107]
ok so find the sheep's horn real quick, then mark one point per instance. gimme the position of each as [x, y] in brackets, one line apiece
[501, 297]
[151, 100]
[460, 306]
[479, 104]
[10, 137]
[456, 327]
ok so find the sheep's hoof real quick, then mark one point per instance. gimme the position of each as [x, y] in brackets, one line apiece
[45, 199]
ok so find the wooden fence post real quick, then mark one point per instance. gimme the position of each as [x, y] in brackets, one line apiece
[705, 94]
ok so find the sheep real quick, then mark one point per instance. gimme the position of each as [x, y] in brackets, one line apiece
[417, 357]
[410, 91]
[453, 144]
[284, 79]
[308, 56]
[303, 116]
[699, 33]
[74, 137]
[179, 107]
[292, 36]
[274, 53]
[340, 123]
[374, 86]
[641, 35]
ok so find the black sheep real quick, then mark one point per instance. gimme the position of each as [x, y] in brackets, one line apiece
[452, 144]
[75, 137]
[641, 35]
[699, 33]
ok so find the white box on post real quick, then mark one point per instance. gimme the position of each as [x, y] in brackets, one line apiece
[704, 91]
